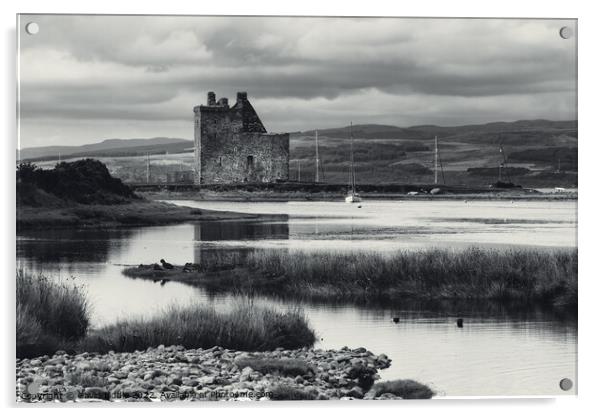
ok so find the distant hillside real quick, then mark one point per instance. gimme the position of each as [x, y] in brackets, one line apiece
[109, 147]
[538, 153]
[490, 130]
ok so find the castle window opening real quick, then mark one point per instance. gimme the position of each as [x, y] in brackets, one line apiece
[249, 162]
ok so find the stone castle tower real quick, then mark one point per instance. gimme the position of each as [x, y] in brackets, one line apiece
[232, 145]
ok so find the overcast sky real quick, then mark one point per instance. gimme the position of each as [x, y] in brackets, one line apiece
[88, 78]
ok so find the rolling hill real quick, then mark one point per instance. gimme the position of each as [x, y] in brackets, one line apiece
[109, 147]
[539, 153]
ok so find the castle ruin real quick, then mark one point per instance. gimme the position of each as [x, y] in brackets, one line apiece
[231, 144]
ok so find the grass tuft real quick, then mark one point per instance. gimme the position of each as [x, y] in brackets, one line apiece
[407, 389]
[50, 314]
[246, 327]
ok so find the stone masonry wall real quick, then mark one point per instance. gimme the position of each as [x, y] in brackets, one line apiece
[231, 145]
[245, 157]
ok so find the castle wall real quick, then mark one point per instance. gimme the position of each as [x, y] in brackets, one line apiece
[231, 145]
[245, 157]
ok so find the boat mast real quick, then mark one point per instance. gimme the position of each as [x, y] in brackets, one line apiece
[147, 168]
[503, 164]
[352, 166]
[317, 160]
[436, 161]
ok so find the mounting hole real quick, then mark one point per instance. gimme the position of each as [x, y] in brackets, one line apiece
[566, 32]
[566, 384]
[32, 28]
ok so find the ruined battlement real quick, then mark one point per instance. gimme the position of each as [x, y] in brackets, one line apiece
[232, 144]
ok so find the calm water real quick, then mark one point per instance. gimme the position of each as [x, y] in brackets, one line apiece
[500, 351]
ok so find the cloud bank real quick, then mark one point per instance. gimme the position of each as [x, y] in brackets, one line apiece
[86, 78]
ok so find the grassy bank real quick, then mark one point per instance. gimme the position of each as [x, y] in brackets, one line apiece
[524, 274]
[246, 327]
[521, 275]
[54, 316]
[136, 213]
[337, 195]
[300, 191]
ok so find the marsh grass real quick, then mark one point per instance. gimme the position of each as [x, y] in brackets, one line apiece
[54, 315]
[50, 314]
[549, 276]
[246, 327]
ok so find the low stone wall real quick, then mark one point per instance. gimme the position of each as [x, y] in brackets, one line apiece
[174, 373]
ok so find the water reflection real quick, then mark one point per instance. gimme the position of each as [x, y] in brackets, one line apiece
[218, 257]
[391, 225]
[71, 245]
[502, 349]
[274, 227]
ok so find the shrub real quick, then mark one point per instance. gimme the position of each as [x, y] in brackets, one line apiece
[86, 181]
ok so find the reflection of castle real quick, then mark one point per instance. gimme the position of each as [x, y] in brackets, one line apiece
[215, 256]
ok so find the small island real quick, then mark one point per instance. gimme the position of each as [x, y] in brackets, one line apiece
[84, 194]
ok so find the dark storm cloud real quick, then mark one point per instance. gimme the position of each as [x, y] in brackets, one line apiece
[157, 68]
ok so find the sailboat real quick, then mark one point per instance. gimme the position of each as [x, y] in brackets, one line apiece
[352, 196]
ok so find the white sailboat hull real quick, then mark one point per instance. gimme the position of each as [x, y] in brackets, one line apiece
[350, 199]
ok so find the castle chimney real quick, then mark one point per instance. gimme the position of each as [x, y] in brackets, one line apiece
[241, 97]
[211, 98]
[223, 102]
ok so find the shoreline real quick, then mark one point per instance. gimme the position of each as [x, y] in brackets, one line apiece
[245, 196]
[174, 374]
[132, 214]
[248, 353]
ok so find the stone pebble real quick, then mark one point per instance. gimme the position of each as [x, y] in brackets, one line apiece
[174, 373]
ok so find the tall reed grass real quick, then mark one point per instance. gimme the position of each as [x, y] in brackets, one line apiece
[517, 274]
[49, 314]
[246, 327]
[54, 315]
